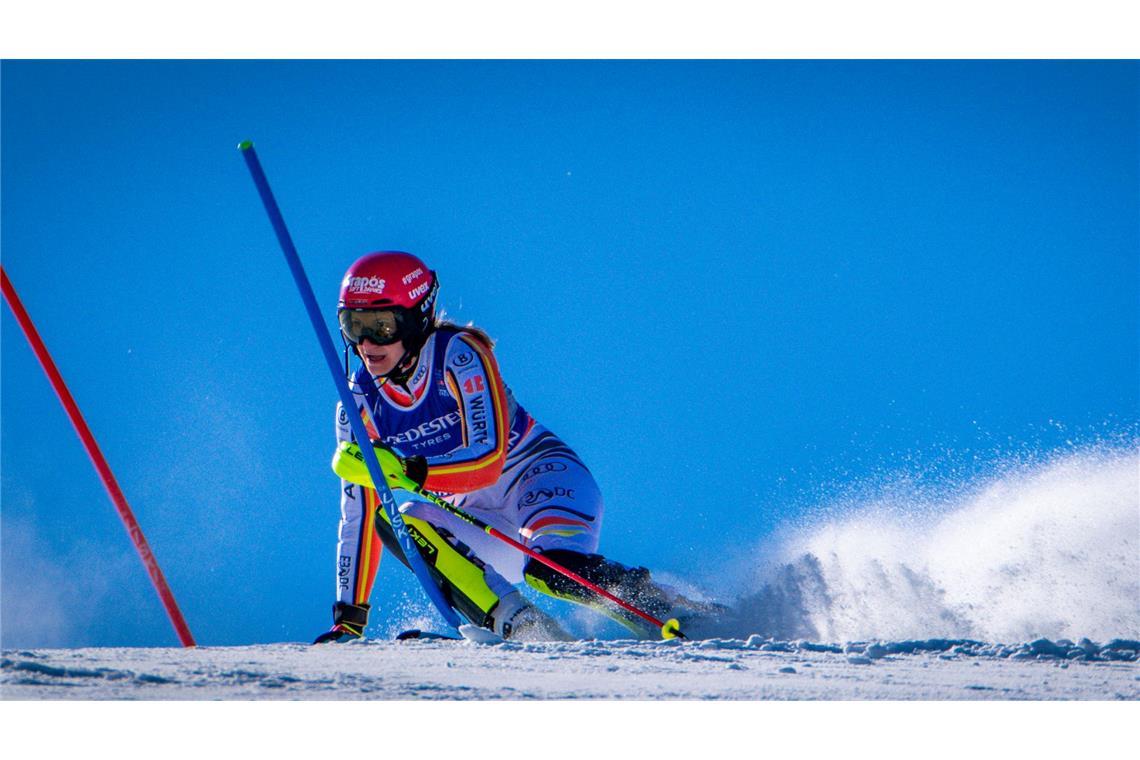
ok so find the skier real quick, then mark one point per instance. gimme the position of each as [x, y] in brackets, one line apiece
[454, 428]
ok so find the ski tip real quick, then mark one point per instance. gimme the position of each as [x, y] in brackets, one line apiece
[479, 635]
[245, 145]
[672, 630]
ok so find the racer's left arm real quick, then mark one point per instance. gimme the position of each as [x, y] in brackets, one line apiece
[473, 378]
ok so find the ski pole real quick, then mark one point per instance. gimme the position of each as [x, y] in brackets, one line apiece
[387, 501]
[109, 483]
[669, 629]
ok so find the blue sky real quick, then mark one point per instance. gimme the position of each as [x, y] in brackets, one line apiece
[739, 289]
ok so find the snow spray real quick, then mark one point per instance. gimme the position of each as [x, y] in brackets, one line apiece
[1051, 550]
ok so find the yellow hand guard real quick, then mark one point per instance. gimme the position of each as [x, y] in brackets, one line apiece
[348, 463]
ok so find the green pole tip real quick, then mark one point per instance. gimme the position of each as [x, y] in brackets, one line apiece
[245, 144]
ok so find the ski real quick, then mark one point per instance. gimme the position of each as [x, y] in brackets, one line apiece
[469, 633]
[479, 635]
[416, 633]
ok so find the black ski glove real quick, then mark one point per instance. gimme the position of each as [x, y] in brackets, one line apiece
[414, 467]
[349, 622]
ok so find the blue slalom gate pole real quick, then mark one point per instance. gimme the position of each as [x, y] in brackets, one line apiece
[387, 501]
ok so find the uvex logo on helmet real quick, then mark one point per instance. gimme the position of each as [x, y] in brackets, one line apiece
[429, 303]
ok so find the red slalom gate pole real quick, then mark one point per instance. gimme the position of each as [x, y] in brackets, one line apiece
[101, 466]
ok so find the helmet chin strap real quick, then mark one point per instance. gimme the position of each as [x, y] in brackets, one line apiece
[400, 374]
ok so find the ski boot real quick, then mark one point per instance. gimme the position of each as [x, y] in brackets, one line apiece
[515, 618]
[630, 584]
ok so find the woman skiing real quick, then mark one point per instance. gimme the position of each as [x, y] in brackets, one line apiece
[441, 407]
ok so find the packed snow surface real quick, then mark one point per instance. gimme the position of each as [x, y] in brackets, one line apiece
[1044, 554]
[712, 669]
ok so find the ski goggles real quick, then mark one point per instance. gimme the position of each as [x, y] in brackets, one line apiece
[381, 326]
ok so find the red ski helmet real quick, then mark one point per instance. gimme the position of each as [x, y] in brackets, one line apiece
[391, 281]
